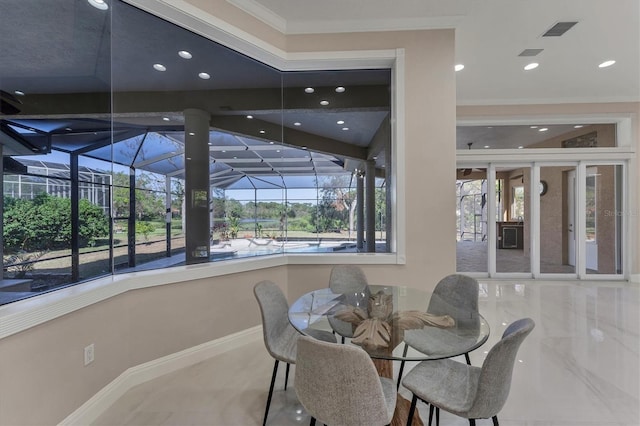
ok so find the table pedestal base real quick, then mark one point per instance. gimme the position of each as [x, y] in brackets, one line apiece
[385, 369]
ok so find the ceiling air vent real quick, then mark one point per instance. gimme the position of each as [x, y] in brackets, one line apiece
[559, 29]
[530, 52]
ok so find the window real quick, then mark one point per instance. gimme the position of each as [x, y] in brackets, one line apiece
[137, 183]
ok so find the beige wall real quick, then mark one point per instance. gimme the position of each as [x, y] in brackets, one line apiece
[47, 381]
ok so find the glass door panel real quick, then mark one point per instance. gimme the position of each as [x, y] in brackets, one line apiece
[513, 220]
[557, 219]
[471, 217]
[603, 219]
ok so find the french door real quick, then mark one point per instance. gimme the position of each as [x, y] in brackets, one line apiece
[542, 219]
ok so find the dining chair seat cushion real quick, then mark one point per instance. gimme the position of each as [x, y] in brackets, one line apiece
[447, 383]
[435, 341]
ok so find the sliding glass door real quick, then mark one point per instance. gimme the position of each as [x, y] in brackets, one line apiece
[541, 219]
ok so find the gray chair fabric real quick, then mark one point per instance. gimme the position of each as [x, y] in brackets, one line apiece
[280, 338]
[468, 391]
[455, 295]
[339, 385]
[347, 280]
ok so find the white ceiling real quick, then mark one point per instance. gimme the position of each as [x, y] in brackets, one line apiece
[490, 34]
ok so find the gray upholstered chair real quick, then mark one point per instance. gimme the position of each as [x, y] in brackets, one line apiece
[339, 385]
[347, 280]
[280, 337]
[468, 391]
[455, 295]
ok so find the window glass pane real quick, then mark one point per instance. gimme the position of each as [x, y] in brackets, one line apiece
[571, 135]
[73, 81]
[471, 220]
[603, 217]
[514, 221]
[557, 219]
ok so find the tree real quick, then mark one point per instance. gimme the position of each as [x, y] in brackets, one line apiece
[337, 192]
[44, 223]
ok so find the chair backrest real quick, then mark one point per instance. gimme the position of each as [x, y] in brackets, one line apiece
[274, 309]
[338, 384]
[455, 290]
[457, 295]
[347, 279]
[497, 370]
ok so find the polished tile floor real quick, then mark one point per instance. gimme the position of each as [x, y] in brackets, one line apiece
[580, 366]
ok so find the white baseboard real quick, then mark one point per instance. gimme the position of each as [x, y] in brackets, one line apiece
[96, 405]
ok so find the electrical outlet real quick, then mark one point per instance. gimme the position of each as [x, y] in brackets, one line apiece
[89, 354]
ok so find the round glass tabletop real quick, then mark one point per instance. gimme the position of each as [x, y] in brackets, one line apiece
[382, 319]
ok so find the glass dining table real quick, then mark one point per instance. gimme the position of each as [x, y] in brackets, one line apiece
[392, 323]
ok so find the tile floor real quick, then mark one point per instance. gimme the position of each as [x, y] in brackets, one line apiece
[580, 366]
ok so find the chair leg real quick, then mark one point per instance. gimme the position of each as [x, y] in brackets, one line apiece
[472, 422]
[286, 376]
[495, 420]
[430, 414]
[313, 421]
[273, 380]
[404, 353]
[343, 340]
[437, 416]
[466, 357]
[412, 409]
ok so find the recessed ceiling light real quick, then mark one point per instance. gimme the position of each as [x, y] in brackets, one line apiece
[271, 143]
[486, 146]
[224, 150]
[578, 126]
[458, 67]
[304, 147]
[345, 128]
[533, 127]
[531, 66]
[520, 147]
[159, 67]
[340, 122]
[204, 76]
[191, 134]
[277, 150]
[375, 157]
[544, 129]
[323, 102]
[235, 158]
[165, 118]
[249, 117]
[210, 143]
[340, 89]
[309, 90]
[19, 92]
[185, 55]
[262, 132]
[297, 123]
[68, 129]
[606, 64]
[99, 4]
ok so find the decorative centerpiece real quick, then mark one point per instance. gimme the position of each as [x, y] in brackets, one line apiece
[379, 329]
